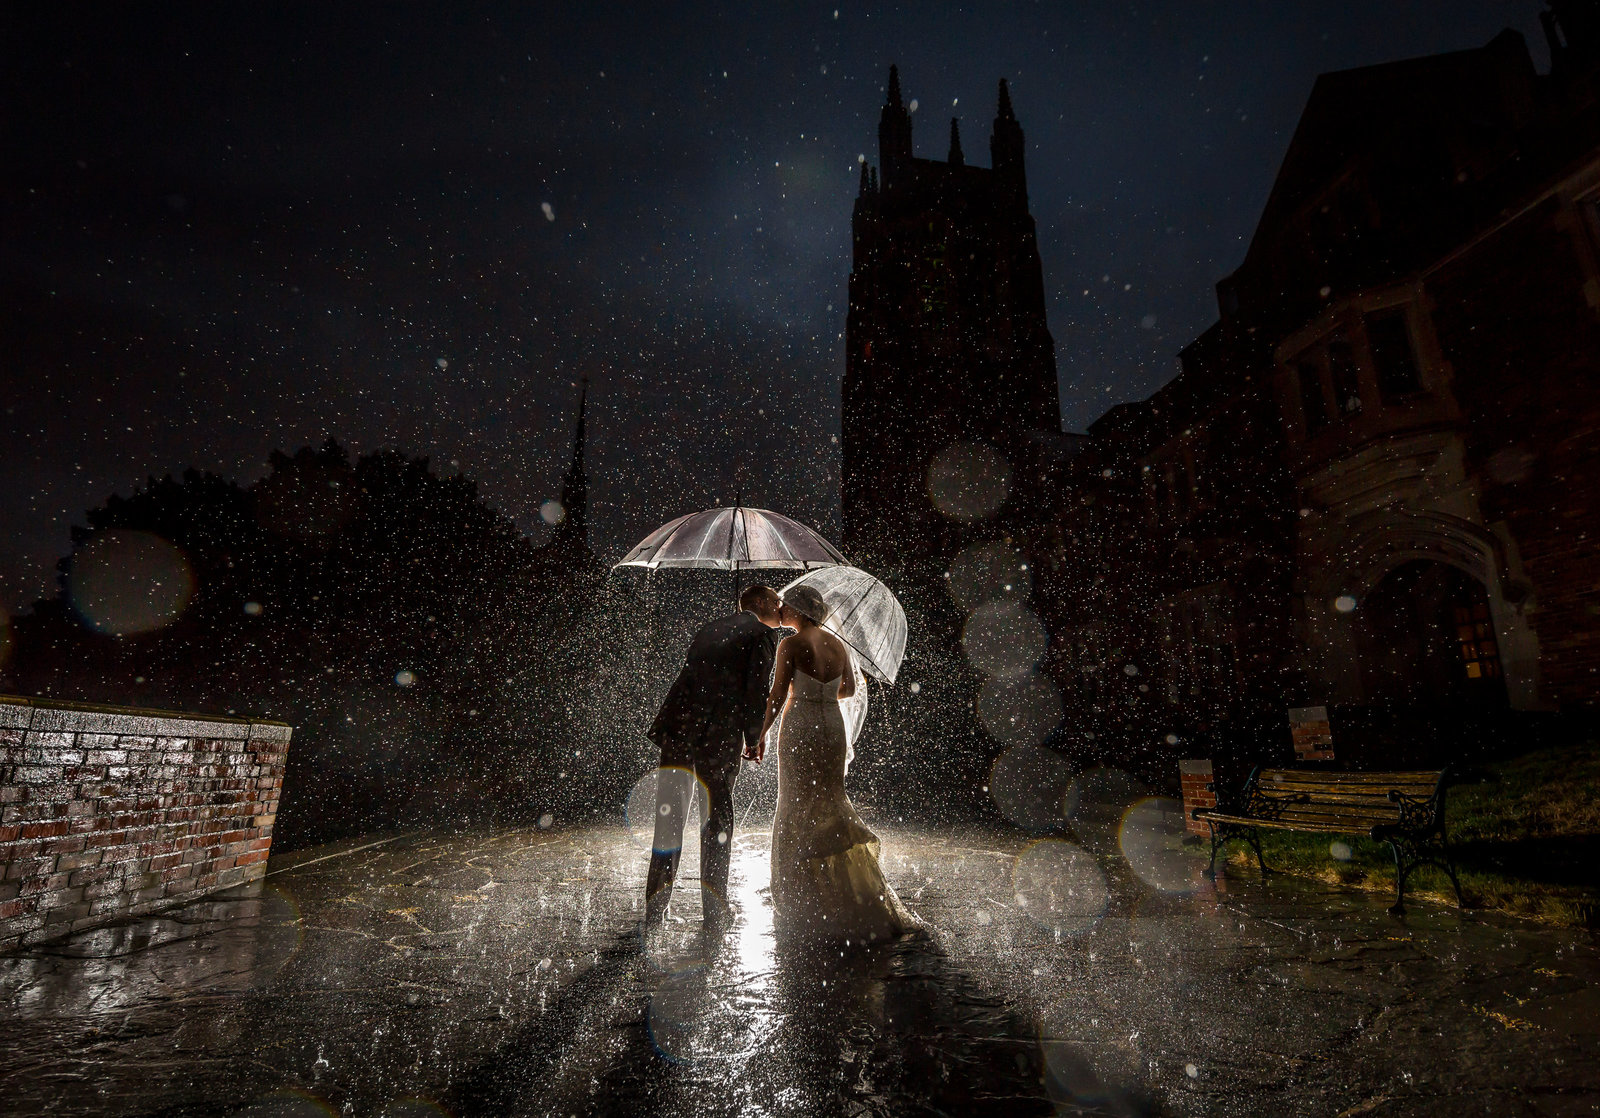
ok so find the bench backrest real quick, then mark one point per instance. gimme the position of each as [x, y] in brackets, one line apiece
[1311, 796]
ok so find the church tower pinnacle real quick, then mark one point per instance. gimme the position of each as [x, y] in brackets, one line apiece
[566, 556]
[894, 134]
[1007, 147]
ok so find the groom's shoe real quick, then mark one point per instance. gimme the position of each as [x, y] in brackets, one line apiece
[655, 909]
[716, 915]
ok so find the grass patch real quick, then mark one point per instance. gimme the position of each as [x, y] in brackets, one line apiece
[1525, 835]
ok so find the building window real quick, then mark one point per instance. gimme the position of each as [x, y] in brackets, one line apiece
[1480, 655]
[1313, 404]
[1346, 377]
[1392, 356]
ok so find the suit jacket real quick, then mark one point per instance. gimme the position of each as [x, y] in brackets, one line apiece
[719, 699]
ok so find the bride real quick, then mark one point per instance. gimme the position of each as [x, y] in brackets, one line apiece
[826, 881]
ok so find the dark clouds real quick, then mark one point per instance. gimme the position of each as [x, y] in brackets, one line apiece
[228, 229]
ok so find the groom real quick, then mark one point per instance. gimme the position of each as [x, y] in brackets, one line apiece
[715, 707]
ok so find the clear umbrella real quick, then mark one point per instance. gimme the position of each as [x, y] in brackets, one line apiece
[735, 539]
[863, 613]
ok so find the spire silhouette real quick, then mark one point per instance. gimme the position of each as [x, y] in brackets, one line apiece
[956, 158]
[1007, 148]
[894, 134]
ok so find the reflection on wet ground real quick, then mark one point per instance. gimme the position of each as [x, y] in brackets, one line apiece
[506, 973]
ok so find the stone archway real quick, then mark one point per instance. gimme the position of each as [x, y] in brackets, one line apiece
[1344, 562]
[1425, 636]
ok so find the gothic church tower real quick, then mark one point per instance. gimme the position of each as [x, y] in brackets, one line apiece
[946, 340]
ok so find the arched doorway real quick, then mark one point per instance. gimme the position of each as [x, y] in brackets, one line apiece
[1426, 637]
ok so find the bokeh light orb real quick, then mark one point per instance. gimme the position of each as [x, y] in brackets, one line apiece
[280, 929]
[1151, 838]
[1004, 638]
[968, 482]
[986, 571]
[1095, 803]
[1019, 709]
[1071, 1079]
[1059, 885]
[123, 582]
[1102, 791]
[689, 1020]
[650, 815]
[676, 945]
[1028, 785]
[1344, 603]
[552, 512]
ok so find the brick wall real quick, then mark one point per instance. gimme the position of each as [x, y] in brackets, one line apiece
[1515, 319]
[108, 812]
[1196, 779]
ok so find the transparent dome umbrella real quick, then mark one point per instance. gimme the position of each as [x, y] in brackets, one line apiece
[733, 539]
[864, 613]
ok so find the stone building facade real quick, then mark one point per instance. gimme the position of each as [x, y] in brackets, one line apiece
[1371, 486]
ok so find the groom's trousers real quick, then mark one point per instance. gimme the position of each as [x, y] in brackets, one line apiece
[709, 787]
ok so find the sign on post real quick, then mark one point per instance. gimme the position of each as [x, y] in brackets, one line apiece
[1312, 732]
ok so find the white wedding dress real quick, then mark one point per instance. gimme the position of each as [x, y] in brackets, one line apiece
[826, 880]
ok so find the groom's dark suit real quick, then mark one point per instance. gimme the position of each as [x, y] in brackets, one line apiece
[715, 706]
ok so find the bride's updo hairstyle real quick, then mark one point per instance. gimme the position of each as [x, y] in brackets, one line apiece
[808, 602]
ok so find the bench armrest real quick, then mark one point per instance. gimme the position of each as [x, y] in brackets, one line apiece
[1418, 813]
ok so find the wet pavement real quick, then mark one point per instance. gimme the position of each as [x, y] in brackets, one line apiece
[505, 973]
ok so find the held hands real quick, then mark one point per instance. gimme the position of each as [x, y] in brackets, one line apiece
[756, 751]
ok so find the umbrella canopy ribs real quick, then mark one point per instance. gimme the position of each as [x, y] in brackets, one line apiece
[734, 539]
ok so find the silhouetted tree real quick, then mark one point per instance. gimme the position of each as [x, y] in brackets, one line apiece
[408, 631]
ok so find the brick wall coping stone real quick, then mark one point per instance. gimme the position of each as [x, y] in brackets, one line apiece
[40, 715]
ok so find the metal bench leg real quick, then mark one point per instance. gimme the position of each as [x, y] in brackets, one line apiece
[1450, 868]
[1254, 838]
[1216, 843]
[1399, 906]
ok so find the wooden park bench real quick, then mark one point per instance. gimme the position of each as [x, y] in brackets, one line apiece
[1403, 809]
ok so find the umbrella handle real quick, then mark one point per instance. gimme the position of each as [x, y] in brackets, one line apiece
[733, 529]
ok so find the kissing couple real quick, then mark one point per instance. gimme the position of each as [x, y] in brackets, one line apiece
[737, 681]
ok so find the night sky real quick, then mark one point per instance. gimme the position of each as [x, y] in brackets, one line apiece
[235, 228]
